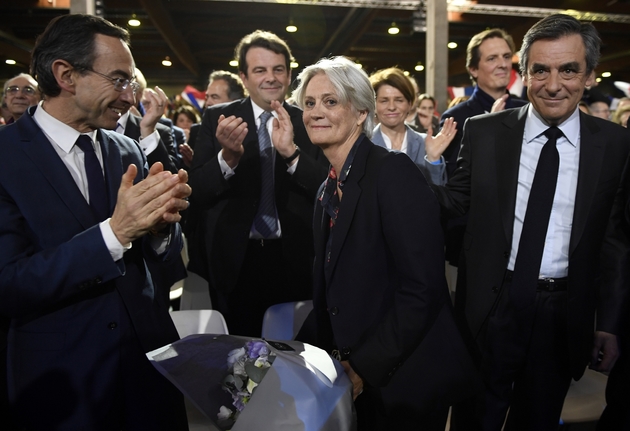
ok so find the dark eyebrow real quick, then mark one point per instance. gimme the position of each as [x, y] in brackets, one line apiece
[571, 65]
[537, 66]
[121, 73]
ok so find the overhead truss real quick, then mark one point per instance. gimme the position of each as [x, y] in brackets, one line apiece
[460, 6]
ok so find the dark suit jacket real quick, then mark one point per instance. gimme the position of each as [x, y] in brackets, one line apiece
[163, 152]
[382, 299]
[192, 136]
[461, 113]
[485, 183]
[222, 211]
[59, 285]
[179, 138]
[454, 227]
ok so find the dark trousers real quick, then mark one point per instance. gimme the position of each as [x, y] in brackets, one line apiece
[139, 397]
[373, 416]
[524, 364]
[264, 280]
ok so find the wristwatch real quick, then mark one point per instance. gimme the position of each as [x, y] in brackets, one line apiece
[293, 156]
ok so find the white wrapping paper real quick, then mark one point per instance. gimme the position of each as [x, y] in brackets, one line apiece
[304, 390]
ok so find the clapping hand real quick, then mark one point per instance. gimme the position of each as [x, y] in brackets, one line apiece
[435, 146]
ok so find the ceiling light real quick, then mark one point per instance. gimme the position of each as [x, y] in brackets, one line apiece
[358, 65]
[598, 79]
[419, 67]
[291, 28]
[393, 29]
[234, 63]
[134, 21]
[606, 74]
[9, 61]
[294, 65]
[406, 73]
[452, 45]
[167, 62]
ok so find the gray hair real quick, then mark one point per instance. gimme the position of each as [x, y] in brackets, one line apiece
[20, 75]
[351, 84]
[556, 26]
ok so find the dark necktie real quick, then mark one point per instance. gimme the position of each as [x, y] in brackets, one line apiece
[536, 222]
[265, 221]
[96, 182]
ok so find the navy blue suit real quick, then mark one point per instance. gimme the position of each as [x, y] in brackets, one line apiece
[80, 322]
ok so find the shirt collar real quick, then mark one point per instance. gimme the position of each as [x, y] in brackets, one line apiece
[258, 112]
[58, 132]
[536, 126]
[123, 120]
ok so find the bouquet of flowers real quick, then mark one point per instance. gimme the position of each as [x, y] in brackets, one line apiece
[247, 367]
[292, 385]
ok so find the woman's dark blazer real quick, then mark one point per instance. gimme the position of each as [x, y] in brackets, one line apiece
[382, 298]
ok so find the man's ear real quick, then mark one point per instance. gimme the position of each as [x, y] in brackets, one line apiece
[473, 72]
[64, 74]
[590, 80]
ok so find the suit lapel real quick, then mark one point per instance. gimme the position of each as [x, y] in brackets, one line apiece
[508, 142]
[132, 128]
[251, 157]
[413, 144]
[351, 194]
[112, 164]
[40, 151]
[590, 166]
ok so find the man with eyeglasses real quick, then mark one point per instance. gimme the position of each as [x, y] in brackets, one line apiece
[88, 240]
[20, 92]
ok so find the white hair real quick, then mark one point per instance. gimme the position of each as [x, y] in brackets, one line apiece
[351, 84]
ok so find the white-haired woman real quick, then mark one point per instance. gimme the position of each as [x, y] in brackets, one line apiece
[381, 304]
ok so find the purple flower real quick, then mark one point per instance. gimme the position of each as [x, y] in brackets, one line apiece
[256, 348]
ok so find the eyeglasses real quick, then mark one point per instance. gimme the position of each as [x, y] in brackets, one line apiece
[14, 90]
[120, 84]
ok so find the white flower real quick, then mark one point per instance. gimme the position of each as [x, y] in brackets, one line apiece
[235, 355]
[251, 385]
[224, 413]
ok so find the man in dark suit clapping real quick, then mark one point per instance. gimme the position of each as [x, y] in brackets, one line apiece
[84, 229]
[253, 194]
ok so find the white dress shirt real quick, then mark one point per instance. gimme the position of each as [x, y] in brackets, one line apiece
[63, 139]
[258, 111]
[555, 259]
[148, 144]
[228, 172]
[388, 142]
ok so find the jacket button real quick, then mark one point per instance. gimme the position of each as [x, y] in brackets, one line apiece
[495, 289]
[506, 254]
[334, 311]
[112, 325]
[98, 280]
[345, 351]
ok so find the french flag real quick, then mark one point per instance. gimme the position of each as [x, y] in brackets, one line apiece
[195, 97]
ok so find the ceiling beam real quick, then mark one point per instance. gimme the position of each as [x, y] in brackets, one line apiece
[162, 20]
[353, 26]
[16, 49]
